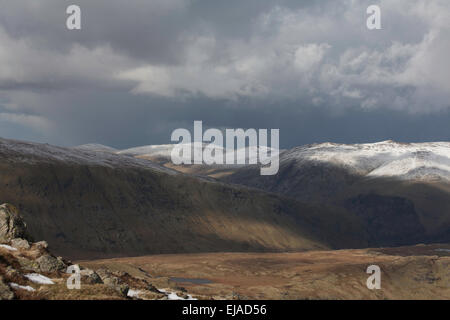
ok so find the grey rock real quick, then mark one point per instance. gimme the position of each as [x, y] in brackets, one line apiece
[90, 276]
[41, 245]
[20, 243]
[104, 273]
[28, 265]
[113, 282]
[5, 291]
[48, 263]
[12, 224]
[122, 289]
[11, 272]
[61, 262]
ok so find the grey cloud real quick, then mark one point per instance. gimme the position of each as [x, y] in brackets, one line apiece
[139, 69]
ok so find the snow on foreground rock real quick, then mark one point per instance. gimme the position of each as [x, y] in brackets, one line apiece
[406, 161]
[18, 286]
[38, 278]
[134, 293]
[171, 295]
[5, 246]
[174, 296]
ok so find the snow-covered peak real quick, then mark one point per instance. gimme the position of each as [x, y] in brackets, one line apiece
[96, 147]
[430, 160]
[162, 150]
[243, 155]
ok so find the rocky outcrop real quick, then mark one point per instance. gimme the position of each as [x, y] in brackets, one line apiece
[90, 276]
[20, 243]
[48, 263]
[113, 281]
[41, 245]
[12, 224]
[30, 271]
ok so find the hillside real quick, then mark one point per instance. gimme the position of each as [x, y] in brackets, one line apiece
[401, 190]
[98, 204]
[399, 193]
[321, 171]
[29, 271]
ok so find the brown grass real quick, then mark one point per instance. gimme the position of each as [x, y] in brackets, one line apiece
[339, 274]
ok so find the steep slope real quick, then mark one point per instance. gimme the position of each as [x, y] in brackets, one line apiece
[96, 147]
[90, 204]
[320, 171]
[399, 192]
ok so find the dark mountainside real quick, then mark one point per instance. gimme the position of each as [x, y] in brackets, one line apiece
[409, 209]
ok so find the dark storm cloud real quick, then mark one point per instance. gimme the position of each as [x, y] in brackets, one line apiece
[103, 118]
[139, 69]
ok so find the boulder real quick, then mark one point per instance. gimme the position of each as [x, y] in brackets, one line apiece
[90, 276]
[42, 245]
[28, 264]
[10, 272]
[112, 281]
[5, 291]
[20, 243]
[48, 263]
[12, 224]
[122, 288]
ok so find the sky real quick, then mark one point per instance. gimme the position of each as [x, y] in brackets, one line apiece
[138, 69]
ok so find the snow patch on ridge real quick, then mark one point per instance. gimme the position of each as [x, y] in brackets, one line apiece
[383, 159]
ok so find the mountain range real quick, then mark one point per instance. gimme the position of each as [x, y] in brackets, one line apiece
[402, 190]
[96, 201]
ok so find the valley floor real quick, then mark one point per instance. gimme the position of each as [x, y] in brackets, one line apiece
[414, 272]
